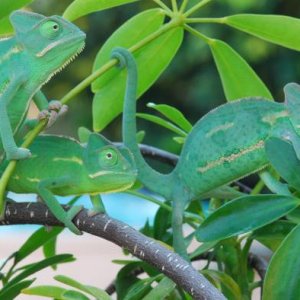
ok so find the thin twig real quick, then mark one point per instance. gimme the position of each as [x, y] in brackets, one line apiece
[145, 248]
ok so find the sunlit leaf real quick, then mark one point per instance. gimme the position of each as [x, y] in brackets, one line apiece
[79, 8]
[281, 30]
[110, 88]
[238, 79]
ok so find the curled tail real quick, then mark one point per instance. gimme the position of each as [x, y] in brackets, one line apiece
[149, 177]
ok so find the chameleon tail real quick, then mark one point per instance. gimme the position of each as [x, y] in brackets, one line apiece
[159, 183]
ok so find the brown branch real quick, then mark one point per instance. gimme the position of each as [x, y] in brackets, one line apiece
[147, 249]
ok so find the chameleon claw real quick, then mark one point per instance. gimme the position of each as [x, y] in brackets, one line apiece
[53, 112]
[18, 153]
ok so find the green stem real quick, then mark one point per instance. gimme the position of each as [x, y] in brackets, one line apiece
[174, 6]
[205, 20]
[196, 7]
[163, 6]
[183, 5]
[258, 187]
[193, 31]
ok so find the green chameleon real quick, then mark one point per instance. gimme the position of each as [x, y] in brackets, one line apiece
[41, 47]
[62, 166]
[226, 144]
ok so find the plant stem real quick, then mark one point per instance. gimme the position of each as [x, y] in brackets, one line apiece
[198, 34]
[196, 7]
[174, 6]
[163, 6]
[183, 5]
[205, 20]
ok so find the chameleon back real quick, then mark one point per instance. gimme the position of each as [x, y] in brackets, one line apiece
[228, 143]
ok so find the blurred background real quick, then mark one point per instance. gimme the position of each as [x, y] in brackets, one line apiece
[191, 84]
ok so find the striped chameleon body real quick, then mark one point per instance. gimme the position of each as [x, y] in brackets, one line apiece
[40, 47]
[226, 144]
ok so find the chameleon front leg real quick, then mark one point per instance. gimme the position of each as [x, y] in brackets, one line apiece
[177, 223]
[44, 190]
[6, 133]
[98, 206]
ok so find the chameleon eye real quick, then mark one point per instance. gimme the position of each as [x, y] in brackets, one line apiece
[108, 157]
[50, 29]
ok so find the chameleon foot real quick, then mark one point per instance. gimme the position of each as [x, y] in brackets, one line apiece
[53, 112]
[19, 153]
[69, 216]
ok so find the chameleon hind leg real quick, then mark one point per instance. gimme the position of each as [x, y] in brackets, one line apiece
[44, 190]
[177, 224]
[98, 206]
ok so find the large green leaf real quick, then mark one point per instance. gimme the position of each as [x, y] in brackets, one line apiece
[281, 30]
[282, 156]
[79, 8]
[5, 27]
[238, 79]
[283, 276]
[244, 214]
[152, 59]
[13, 291]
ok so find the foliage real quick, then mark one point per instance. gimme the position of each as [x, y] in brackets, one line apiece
[155, 36]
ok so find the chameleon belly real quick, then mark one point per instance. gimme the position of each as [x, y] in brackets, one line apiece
[228, 143]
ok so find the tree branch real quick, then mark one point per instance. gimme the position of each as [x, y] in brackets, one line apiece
[169, 263]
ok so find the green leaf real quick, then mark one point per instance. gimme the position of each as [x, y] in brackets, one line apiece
[33, 268]
[162, 290]
[74, 295]
[46, 291]
[109, 89]
[5, 26]
[280, 30]
[282, 156]
[230, 288]
[99, 294]
[162, 122]
[7, 6]
[36, 240]
[174, 115]
[14, 290]
[238, 79]
[283, 275]
[79, 8]
[273, 234]
[244, 214]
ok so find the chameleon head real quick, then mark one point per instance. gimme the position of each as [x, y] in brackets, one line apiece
[109, 167]
[50, 41]
[292, 101]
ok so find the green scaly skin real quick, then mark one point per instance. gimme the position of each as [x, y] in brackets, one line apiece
[40, 48]
[62, 166]
[225, 145]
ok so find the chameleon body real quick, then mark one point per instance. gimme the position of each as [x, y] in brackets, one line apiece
[40, 47]
[225, 145]
[62, 166]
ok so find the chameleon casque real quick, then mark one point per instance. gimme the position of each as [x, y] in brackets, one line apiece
[226, 144]
[41, 47]
[62, 166]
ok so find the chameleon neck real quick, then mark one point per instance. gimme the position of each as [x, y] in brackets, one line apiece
[155, 181]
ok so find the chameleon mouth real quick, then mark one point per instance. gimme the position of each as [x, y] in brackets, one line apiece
[79, 50]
